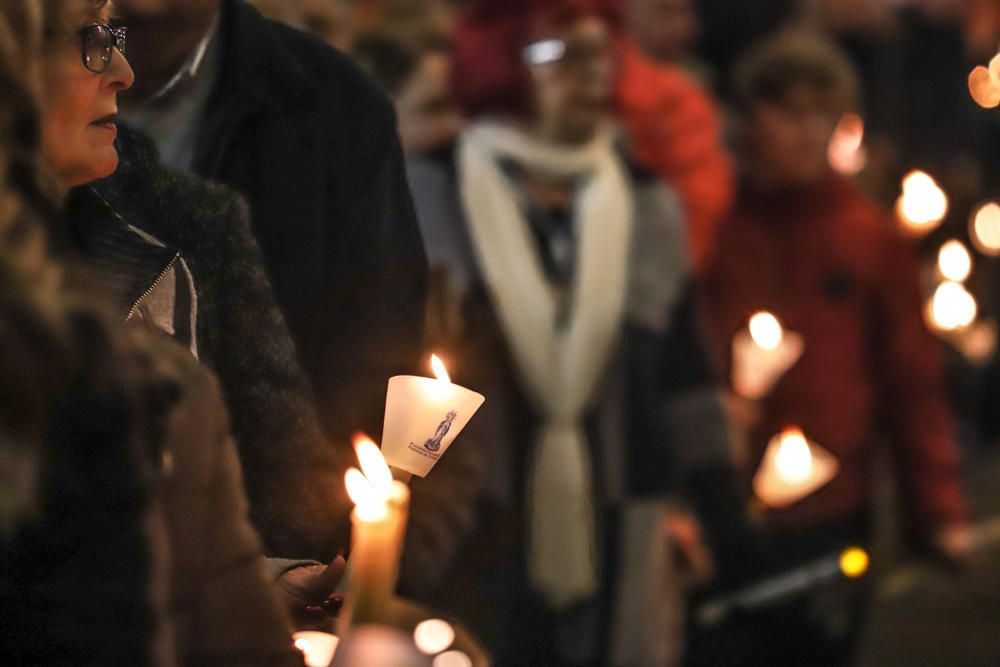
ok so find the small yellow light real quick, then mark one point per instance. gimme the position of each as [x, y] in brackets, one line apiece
[854, 562]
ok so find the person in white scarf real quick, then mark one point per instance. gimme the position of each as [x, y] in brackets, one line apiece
[571, 275]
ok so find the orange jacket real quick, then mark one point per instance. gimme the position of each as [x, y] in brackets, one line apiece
[675, 130]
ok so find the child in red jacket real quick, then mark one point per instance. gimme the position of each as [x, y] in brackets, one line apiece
[805, 244]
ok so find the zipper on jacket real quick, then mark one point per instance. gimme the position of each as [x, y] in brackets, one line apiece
[149, 290]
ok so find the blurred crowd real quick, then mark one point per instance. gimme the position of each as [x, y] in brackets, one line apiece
[721, 269]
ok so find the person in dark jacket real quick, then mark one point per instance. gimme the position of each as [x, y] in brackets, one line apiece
[202, 285]
[123, 530]
[310, 141]
[568, 271]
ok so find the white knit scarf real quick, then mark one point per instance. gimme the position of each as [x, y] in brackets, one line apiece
[559, 367]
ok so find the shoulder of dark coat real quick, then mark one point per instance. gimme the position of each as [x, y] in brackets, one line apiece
[180, 209]
[335, 80]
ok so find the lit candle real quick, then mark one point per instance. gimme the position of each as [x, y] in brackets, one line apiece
[984, 228]
[762, 354]
[846, 152]
[422, 418]
[792, 468]
[922, 205]
[952, 308]
[954, 261]
[379, 524]
[317, 648]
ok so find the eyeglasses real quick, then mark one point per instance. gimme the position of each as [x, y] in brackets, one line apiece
[98, 42]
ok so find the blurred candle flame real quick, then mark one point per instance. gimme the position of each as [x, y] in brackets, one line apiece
[793, 461]
[440, 372]
[922, 204]
[954, 261]
[984, 90]
[845, 152]
[452, 659]
[373, 463]
[766, 331]
[952, 307]
[433, 636]
[370, 503]
[985, 228]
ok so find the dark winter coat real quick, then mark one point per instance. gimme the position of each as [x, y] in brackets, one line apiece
[310, 141]
[293, 476]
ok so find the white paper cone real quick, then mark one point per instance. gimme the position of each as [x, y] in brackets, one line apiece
[778, 490]
[756, 370]
[422, 418]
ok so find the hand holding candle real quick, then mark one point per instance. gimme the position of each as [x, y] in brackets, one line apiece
[422, 418]
[762, 354]
[792, 468]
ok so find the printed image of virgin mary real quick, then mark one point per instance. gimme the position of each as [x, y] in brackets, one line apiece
[434, 444]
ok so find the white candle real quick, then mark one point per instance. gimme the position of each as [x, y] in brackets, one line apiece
[762, 353]
[423, 416]
[379, 525]
[793, 467]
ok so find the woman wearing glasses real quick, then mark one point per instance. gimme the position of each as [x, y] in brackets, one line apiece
[125, 538]
[175, 255]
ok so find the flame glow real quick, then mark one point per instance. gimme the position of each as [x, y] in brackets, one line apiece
[304, 645]
[954, 261]
[440, 372]
[766, 331]
[452, 659]
[952, 307]
[373, 463]
[983, 90]
[369, 503]
[845, 153]
[434, 636]
[793, 461]
[922, 205]
[985, 228]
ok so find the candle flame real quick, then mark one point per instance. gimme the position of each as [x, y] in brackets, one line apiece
[952, 307]
[433, 636]
[794, 458]
[373, 463]
[370, 504]
[766, 331]
[954, 261]
[985, 228]
[983, 89]
[845, 152]
[922, 205]
[440, 372]
[303, 644]
[452, 659]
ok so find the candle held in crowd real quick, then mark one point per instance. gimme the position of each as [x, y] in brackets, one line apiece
[423, 416]
[951, 308]
[792, 468]
[984, 228]
[378, 524]
[954, 261]
[762, 354]
[922, 205]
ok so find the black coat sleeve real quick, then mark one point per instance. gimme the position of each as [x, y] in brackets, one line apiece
[294, 476]
[376, 279]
